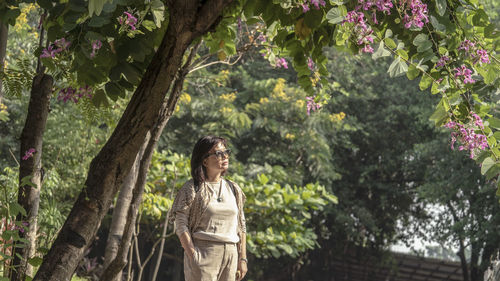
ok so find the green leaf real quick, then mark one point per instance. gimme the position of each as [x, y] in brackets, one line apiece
[390, 43]
[381, 51]
[397, 68]
[402, 53]
[100, 98]
[158, 11]
[425, 82]
[15, 209]
[413, 72]
[441, 7]
[313, 18]
[35, 261]
[437, 25]
[488, 72]
[336, 14]
[149, 25]
[486, 165]
[439, 116]
[422, 42]
[494, 122]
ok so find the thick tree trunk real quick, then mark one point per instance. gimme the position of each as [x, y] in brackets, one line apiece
[120, 215]
[117, 265]
[108, 169]
[30, 170]
[4, 31]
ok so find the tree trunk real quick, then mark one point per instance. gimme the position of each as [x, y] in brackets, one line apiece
[120, 214]
[475, 272]
[108, 169]
[30, 171]
[4, 31]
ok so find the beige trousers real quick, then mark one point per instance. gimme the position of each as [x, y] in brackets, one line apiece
[213, 261]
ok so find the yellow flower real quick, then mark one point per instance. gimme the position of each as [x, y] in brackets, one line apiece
[289, 136]
[3, 107]
[337, 117]
[228, 97]
[177, 108]
[299, 103]
[264, 100]
[226, 110]
[278, 91]
[185, 98]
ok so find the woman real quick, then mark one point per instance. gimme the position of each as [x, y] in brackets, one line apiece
[209, 218]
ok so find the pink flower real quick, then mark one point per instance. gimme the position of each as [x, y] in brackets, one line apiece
[312, 105]
[310, 64]
[466, 45]
[367, 49]
[467, 136]
[466, 73]
[48, 52]
[305, 8]
[62, 44]
[416, 13]
[442, 61]
[318, 3]
[483, 56]
[96, 45]
[28, 154]
[131, 20]
[281, 62]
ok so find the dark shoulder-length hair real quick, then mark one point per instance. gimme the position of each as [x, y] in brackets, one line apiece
[200, 151]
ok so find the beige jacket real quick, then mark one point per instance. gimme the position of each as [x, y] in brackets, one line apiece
[197, 203]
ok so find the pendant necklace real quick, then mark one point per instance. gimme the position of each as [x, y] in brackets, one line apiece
[219, 198]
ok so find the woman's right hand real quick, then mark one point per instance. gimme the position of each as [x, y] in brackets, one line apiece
[191, 253]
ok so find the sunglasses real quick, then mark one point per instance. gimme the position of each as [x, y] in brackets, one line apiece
[220, 154]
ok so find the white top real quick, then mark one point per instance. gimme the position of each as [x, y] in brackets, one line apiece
[219, 222]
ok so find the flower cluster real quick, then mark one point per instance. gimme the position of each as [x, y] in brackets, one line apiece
[306, 6]
[442, 61]
[362, 31]
[53, 49]
[384, 6]
[96, 45]
[466, 134]
[312, 105]
[310, 64]
[127, 20]
[415, 13]
[74, 95]
[477, 54]
[464, 73]
[281, 62]
[29, 153]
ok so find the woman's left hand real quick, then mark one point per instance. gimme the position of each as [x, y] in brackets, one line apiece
[242, 269]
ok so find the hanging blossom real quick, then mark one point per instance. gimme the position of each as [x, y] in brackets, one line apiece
[415, 13]
[128, 20]
[312, 105]
[442, 61]
[464, 73]
[361, 30]
[96, 45]
[55, 48]
[74, 95]
[466, 134]
[472, 50]
[29, 153]
[384, 6]
[316, 4]
[281, 62]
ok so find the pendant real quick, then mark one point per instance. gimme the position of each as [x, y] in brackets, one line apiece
[219, 199]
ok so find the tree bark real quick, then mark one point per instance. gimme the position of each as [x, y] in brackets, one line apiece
[168, 106]
[31, 170]
[120, 215]
[4, 31]
[108, 169]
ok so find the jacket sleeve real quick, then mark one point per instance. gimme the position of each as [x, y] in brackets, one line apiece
[181, 208]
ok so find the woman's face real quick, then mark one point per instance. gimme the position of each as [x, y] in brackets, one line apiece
[218, 159]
